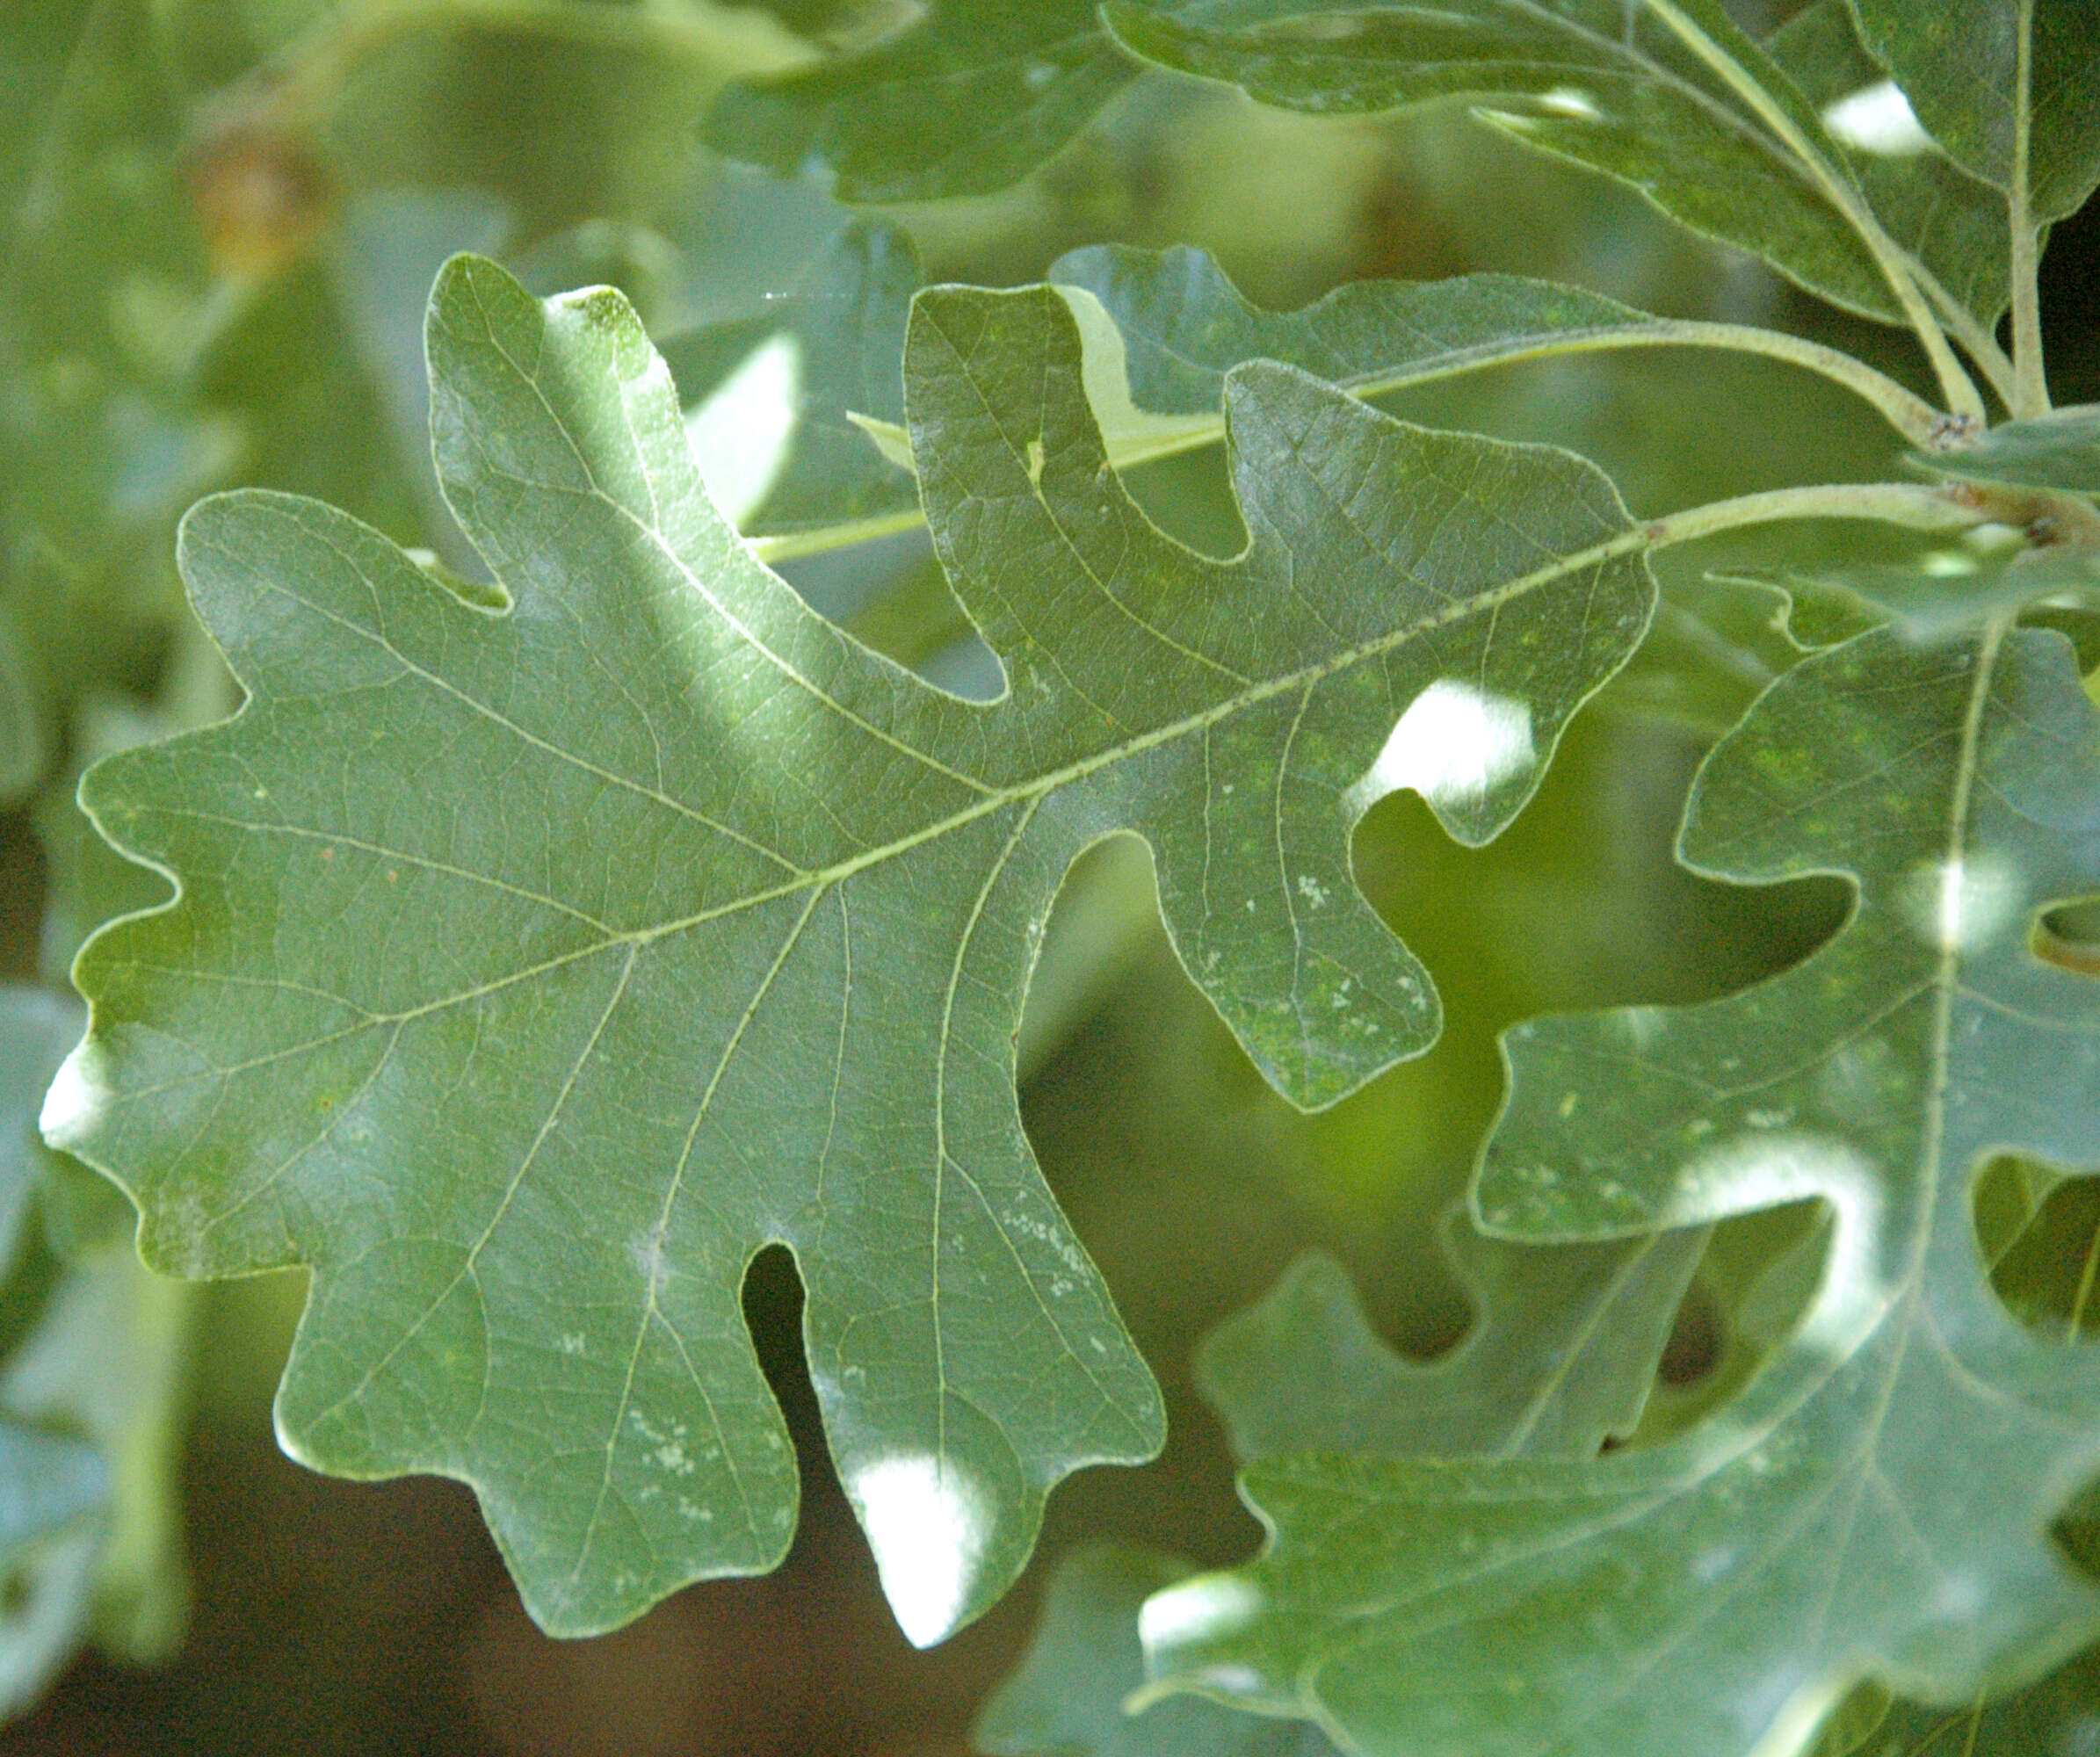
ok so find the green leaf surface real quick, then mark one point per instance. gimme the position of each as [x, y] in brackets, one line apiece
[2059, 450]
[1069, 1694]
[1180, 326]
[1161, 329]
[533, 970]
[1949, 221]
[1956, 61]
[1952, 592]
[1877, 1500]
[1603, 88]
[1183, 325]
[970, 98]
[1561, 1355]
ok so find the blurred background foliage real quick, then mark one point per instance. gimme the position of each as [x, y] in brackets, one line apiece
[219, 220]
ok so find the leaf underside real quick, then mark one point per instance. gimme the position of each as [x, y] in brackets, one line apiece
[1877, 1499]
[531, 971]
[1561, 1356]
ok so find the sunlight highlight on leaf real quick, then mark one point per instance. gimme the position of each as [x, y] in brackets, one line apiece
[928, 1529]
[1875, 1501]
[741, 434]
[1454, 743]
[1878, 119]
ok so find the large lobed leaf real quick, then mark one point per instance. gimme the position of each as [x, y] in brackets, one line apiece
[1955, 226]
[535, 965]
[1877, 1500]
[1560, 1357]
[1161, 329]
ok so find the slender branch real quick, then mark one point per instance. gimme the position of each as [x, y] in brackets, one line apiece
[2030, 386]
[1914, 506]
[1967, 327]
[1910, 505]
[791, 546]
[1955, 383]
[1908, 413]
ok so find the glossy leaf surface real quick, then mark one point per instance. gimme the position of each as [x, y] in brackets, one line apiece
[1950, 222]
[1877, 1499]
[535, 968]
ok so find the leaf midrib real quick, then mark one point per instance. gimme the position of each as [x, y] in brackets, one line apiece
[1633, 539]
[1944, 984]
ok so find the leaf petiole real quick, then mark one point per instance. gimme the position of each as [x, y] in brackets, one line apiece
[2030, 386]
[1955, 383]
[1924, 426]
[1912, 506]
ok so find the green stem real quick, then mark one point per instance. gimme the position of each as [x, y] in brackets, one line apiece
[1955, 383]
[2030, 386]
[1914, 507]
[791, 544]
[1910, 414]
[1967, 327]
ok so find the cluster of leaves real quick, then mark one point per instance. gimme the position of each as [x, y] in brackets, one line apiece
[555, 927]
